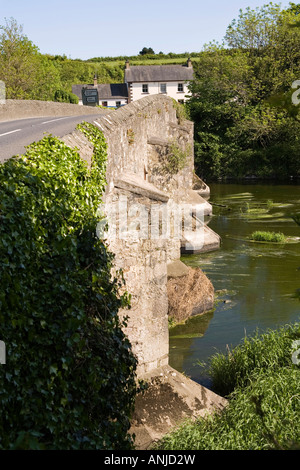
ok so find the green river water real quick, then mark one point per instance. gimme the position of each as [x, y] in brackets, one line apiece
[255, 283]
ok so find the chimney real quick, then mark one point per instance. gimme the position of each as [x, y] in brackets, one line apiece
[127, 66]
[95, 80]
[189, 62]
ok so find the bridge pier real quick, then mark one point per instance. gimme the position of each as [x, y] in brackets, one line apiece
[144, 196]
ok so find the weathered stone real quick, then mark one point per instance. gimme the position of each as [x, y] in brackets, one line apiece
[157, 141]
[135, 184]
[200, 187]
[177, 269]
[158, 288]
[13, 109]
[170, 399]
[136, 136]
[208, 241]
[77, 140]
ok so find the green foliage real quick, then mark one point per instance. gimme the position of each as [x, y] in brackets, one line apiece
[254, 29]
[69, 381]
[153, 58]
[245, 121]
[65, 97]
[176, 157]
[73, 72]
[27, 73]
[263, 410]
[259, 353]
[181, 111]
[146, 50]
[273, 237]
[242, 426]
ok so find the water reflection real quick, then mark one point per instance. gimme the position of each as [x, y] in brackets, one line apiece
[182, 338]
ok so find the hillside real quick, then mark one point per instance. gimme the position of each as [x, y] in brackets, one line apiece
[30, 75]
[111, 69]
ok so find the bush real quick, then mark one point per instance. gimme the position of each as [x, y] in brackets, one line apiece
[69, 379]
[65, 97]
[263, 387]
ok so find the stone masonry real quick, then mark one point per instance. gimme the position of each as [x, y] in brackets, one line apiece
[141, 188]
[139, 136]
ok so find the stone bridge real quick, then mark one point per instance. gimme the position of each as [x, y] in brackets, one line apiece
[139, 136]
[142, 137]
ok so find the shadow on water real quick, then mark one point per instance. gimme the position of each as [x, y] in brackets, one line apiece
[255, 283]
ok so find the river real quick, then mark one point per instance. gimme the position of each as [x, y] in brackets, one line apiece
[255, 283]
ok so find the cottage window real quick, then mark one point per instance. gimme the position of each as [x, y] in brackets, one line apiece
[118, 104]
[180, 87]
[163, 88]
[145, 88]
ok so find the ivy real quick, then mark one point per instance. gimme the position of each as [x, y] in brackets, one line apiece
[69, 379]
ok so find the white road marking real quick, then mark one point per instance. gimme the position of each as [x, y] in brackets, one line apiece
[58, 119]
[10, 132]
[97, 124]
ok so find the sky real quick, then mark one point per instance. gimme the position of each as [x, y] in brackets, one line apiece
[98, 28]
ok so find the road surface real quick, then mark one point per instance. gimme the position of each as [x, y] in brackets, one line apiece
[15, 135]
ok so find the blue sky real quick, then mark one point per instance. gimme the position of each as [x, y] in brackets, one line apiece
[93, 28]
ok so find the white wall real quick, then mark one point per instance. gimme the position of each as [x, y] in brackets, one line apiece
[112, 102]
[154, 89]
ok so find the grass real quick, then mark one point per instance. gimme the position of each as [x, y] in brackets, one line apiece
[262, 385]
[271, 237]
[257, 353]
[154, 61]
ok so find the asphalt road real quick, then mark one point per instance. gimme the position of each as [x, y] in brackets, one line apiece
[15, 135]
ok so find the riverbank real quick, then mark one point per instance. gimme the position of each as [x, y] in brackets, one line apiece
[261, 379]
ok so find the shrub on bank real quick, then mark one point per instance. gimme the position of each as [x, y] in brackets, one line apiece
[69, 377]
[269, 351]
[264, 407]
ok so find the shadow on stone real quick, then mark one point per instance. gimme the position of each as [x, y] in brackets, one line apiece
[170, 399]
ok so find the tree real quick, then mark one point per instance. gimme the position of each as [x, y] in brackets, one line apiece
[17, 61]
[27, 73]
[254, 29]
[245, 121]
[146, 50]
[273, 46]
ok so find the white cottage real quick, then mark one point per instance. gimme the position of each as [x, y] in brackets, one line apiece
[171, 80]
[140, 81]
